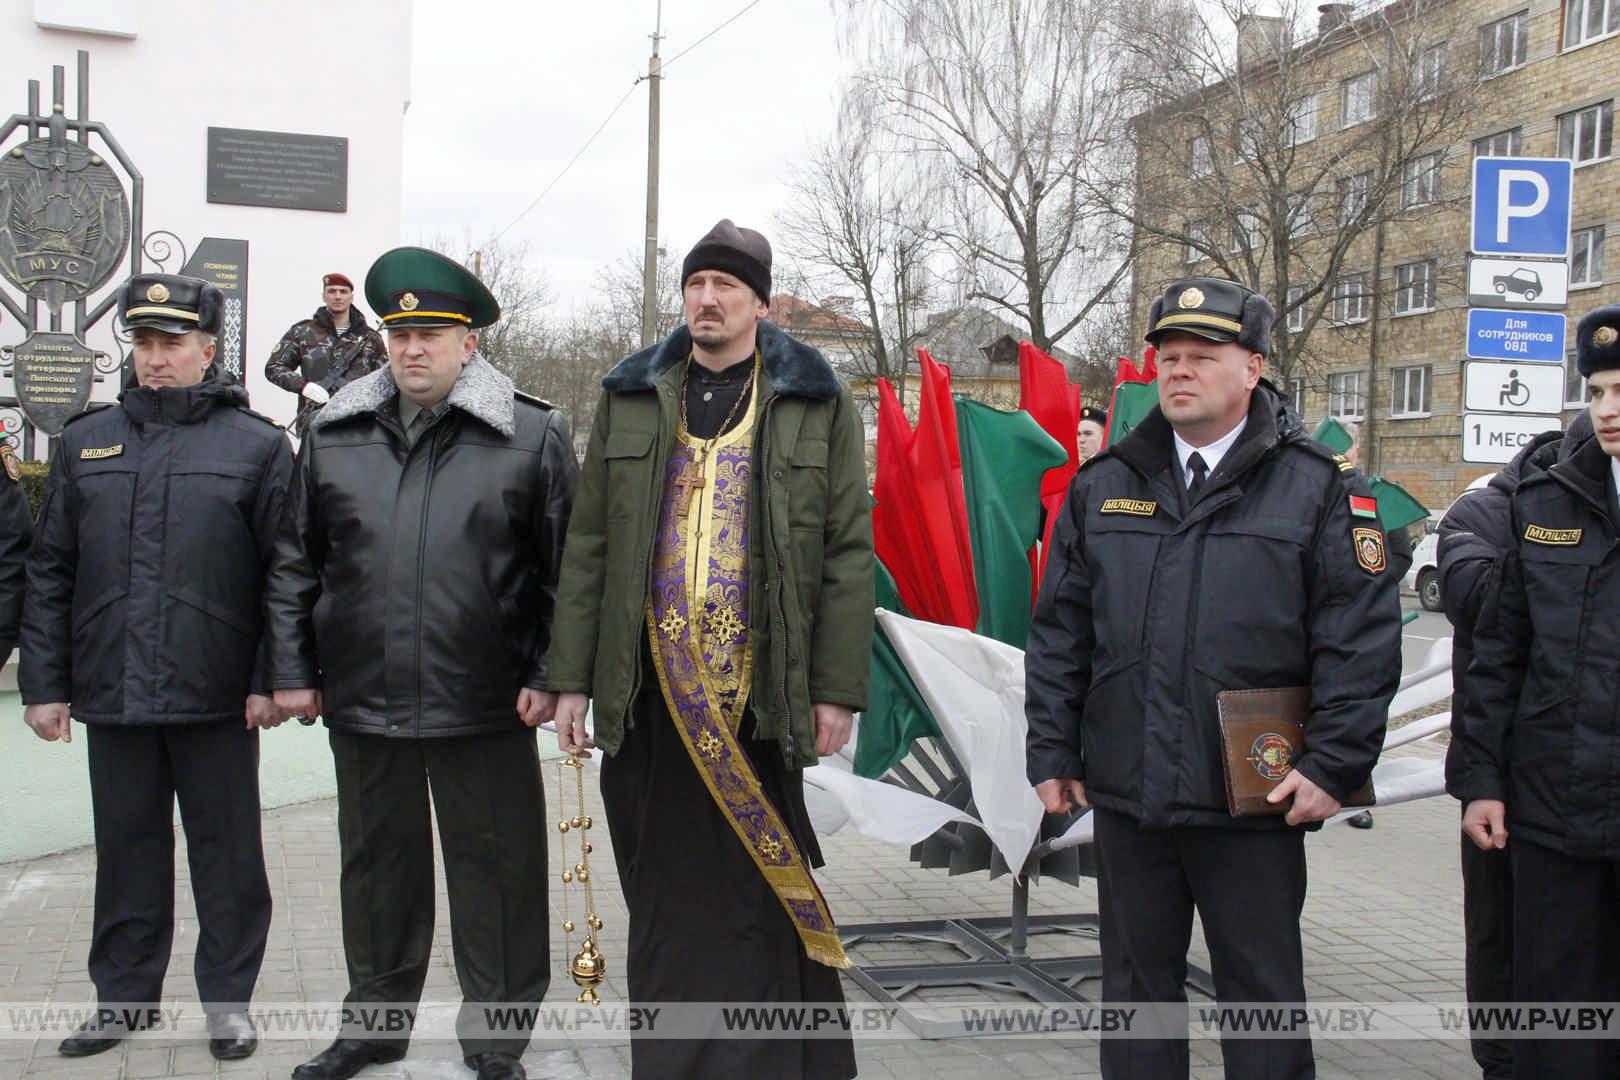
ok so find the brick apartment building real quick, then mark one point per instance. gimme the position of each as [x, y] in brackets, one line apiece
[1386, 347]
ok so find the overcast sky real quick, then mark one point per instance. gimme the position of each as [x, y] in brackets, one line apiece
[504, 92]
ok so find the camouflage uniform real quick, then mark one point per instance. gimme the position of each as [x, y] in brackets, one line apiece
[312, 351]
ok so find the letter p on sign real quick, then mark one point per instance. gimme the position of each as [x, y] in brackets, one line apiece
[1521, 207]
[1507, 209]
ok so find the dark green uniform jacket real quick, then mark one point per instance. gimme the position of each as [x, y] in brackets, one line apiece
[810, 542]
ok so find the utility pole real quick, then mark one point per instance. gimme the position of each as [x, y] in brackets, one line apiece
[649, 252]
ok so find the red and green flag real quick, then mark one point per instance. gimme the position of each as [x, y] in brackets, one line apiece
[1136, 393]
[1005, 459]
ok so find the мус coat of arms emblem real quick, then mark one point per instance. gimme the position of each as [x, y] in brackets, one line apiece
[64, 220]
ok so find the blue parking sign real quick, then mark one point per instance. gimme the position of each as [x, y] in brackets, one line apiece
[1521, 206]
[1536, 336]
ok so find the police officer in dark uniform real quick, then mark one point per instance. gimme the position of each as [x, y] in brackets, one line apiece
[1213, 548]
[1541, 734]
[143, 621]
[1090, 431]
[411, 604]
[1476, 532]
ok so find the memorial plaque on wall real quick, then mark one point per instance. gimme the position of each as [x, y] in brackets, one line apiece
[225, 263]
[277, 168]
[53, 374]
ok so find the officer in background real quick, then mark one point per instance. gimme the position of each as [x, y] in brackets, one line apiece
[1091, 429]
[143, 621]
[1474, 536]
[1214, 548]
[1541, 733]
[16, 533]
[411, 605]
[320, 355]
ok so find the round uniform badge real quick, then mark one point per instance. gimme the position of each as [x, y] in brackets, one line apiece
[158, 293]
[1192, 298]
[409, 302]
[1271, 756]
[1605, 335]
[12, 462]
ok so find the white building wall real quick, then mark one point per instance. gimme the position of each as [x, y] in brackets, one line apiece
[171, 70]
[167, 70]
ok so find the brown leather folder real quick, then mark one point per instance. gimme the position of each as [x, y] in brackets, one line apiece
[1262, 732]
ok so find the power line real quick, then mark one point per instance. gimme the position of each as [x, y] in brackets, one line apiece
[571, 161]
[745, 10]
[615, 112]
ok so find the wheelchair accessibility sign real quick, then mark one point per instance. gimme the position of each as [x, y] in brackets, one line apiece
[1491, 386]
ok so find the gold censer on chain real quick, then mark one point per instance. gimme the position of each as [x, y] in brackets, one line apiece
[588, 966]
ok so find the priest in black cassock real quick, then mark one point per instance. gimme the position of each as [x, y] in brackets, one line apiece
[717, 589]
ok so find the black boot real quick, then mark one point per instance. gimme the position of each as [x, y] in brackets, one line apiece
[346, 1057]
[492, 1066]
[1362, 820]
[104, 1031]
[231, 1036]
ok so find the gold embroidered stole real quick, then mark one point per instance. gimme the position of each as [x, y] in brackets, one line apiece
[697, 623]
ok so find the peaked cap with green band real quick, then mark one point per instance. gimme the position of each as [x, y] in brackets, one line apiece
[412, 286]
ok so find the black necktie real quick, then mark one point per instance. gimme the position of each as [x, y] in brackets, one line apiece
[1196, 485]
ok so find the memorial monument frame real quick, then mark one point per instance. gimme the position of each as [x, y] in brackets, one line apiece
[40, 311]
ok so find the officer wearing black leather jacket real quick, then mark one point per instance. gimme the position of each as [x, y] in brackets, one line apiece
[411, 604]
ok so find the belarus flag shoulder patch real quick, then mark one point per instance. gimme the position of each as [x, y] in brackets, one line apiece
[1363, 506]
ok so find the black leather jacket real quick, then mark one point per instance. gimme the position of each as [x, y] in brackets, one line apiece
[146, 575]
[415, 586]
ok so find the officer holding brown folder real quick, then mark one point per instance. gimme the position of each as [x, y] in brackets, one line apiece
[1214, 548]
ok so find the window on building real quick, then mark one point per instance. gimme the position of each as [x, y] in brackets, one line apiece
[1295, 388]
[1431, 71]
[1200, 157]
[1350, 300]
[1198, 242]
[1299, 214]
[1294, 308]
[1502, 144]
[1586, 256]
[1302, 120]
[1414, 287]
[1576, 392]
[1587, 134]
[1345, 397]
[1354, 192]
[1357, 94]
[1503, 43]
[1248, 139]
[1409, 390]
[1588, 20]
[1420, 180]
[1246, 232]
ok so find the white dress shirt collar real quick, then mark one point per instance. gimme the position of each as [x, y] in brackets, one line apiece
[1211, 454]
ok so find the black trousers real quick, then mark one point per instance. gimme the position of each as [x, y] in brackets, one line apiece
[1248, 887]
[1487, 878]
[136, 775]
[490, 807]
[1566, 947]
